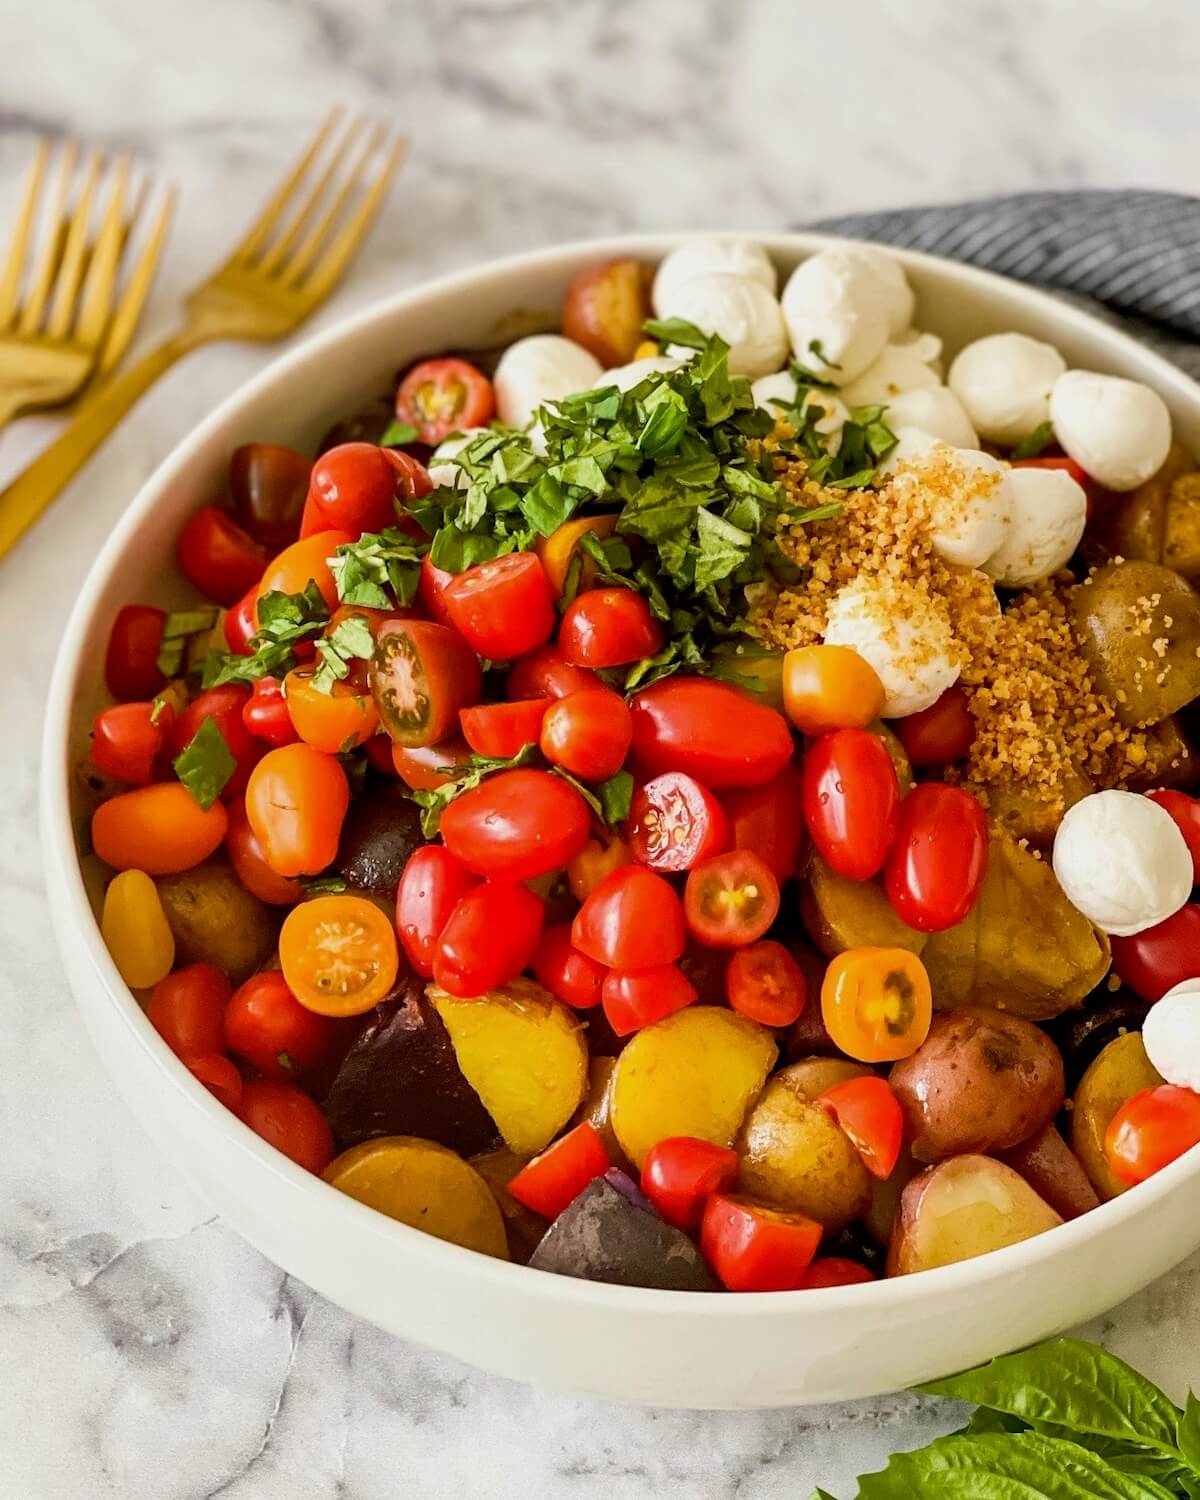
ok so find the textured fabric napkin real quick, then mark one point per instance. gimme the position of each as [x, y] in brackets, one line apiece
[1132, 255]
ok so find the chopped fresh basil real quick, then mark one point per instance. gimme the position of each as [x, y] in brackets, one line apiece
[283, 621]
[206, 763]
[615, 796]
[396, 434]
[322, 885]
[1033, 444]
[349, 641]
[178, 628]
[380, 570]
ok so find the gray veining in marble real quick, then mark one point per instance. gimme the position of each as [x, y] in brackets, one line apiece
[145, 1352]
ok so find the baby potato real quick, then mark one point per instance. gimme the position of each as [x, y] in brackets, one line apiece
[839, 914]
[596, 1107]
[1031, 813]
[217, 921]
[523, 1227]
[981, 1081]
[1157, 522]
[605, 308]
[1054, 1172]
[1121, 1070]
[696, 1073]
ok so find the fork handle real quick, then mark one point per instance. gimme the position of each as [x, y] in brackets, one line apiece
[48, 475]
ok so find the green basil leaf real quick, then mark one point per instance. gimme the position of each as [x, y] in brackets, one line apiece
[396, 434]
[1034, 443]
[1188, 1434]
[321, 885]
[206, 763]
[722, 548]
[178, 628]
[616, 795]
[547, 505]
[676, 331]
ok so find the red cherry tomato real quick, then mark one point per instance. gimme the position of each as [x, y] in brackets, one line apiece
[730, 900]
[766, 983]
[265, 713]
[939, 858]
[545, 673]
[634, 998]
[1151, 1130]
[266, 1026]
[1077, 472]
[517, 825]
[674, 823]
[940, 734]
[424, 768]
[431, 589]
[871, 1116]
[219, 1076]
[187, 1009]
[239, 624]
[216, 555]
[565, 971]
[588, 733]
[128, 740]
[224, 706]
[250, 863]
[1185, 811]
[756, 1249]
[268, 484]
[441, 396]
[632, 920]
[680, 1172]
[422, 675]
[561, 1172]
[608, 628]
[769, 821]
[353, 488]
[834, 1270]
[708, 730]
[1155, 961]
[431, 886]
[502, 608]
[288, 1119]
[502, 729]
[850, 797]
[493, 933]
[131, 661]
[379, 752]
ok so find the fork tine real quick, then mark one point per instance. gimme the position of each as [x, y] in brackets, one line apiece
[268, 220]
[10, 280]
[279, 250]
[129, 309]
[334, 261]
[35, 303]
[294, 271]
[96, 303]
[74, 257]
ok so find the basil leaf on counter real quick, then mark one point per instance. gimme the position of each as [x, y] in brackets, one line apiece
[205, 764]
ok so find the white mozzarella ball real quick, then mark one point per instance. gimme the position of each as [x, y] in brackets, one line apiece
[968, 495]
[934, 409]
[898, 369]
[905, 638]
[537, 370]
[901, 303]
[742, 311]
[1049, 512]
[1122, 860]
[782, 387]
[1118, 430]
[446, 475]
[911, 443]
[836, 303]
[702, 258]
[1171, 1034]
[1005, 381]
[625, 377]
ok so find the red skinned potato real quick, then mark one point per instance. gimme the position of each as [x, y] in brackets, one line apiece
[1054, 1172]
[605, 308]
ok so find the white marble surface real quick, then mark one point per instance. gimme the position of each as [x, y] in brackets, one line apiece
[145, 1352]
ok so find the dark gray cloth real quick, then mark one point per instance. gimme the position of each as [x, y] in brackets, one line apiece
[1135, 255]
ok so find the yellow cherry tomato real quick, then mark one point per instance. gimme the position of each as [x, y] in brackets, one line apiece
[876, 1003]
[830, 687]
[136, 931]
[557, 550]
[596, 860]
[338, 954]
[335, 722]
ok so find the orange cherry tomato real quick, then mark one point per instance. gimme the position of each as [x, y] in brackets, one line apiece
[335, 722]
[596, 860]
[296, 801]
[250, 864]
[830, 687]
[287, 1119]
[423, 768]
[160, 829]
[766, 983]
[304, 562]
[1152, 1129]
[876, 1003]
[559, 548]
[870, 1114]
[338, 954]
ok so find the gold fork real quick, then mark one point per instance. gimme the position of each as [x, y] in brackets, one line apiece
[273, 280]
[64, 330]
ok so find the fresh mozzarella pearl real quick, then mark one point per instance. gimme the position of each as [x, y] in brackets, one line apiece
[935, 409]
[447, 475]
[890, 273]
[1049, 511]
[782, 387]
[1171, 1035]
[742, 311]
[836, 301]
[904, 637]
[911, 443]
[533, 371]
[969, 499]
[1117, 430]
[702, 258]
[1004, 381]
[899, 368]
[625, 377]
[1122, 860]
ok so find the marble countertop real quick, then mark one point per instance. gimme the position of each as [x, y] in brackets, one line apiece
[149, 1354]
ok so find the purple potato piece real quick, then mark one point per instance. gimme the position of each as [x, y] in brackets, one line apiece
[1083, 1034]
[381, 831]
[626, 1186]
[602, 1236]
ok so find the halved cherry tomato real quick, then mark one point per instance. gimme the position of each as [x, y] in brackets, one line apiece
[225, 706]
[266, 1026]
[871, 1116]
[680, 1172]
[708, 730]
[216, 555]
[634, 998]
[851, 798]
[587, 733]
[187, 1009]
[128, 740]
[493, 933]
[1185, 812]
[876, 1003]
[431, 590]
[250, 865]
[441, 396]
[730, 900]
[502, 729]
[608, 627]
[517, 825]
[296, 801]
[353, 488]
[336, 721]
[423, 768]
[769, 821]
[766, 983]
[835, 1270]
[675, 823]
[939, 858]
[597, 858]
[305, 562]
[1152, 1129]
[219, 1076]
[940, 734]
[422, 675]
[131, 660]
[160, 829]
[287, 1119]
[268, 484]
[756, 1249]
[632, 920]
[565, 971]
[239, 625]
[338, 954]
[545, 673]
[431, 886]
[502, 608]
[265, 713]
[558, 550]
[1156, 960]
[830, 687]
[552, 1180]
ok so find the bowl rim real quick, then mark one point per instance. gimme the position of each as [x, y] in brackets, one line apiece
[76, 923]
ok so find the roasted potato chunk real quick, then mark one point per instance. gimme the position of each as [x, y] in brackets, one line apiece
[523, 1227]
[1031, 813]
[380, 833]
[1158, 522]
[1054, 1172]
[840, 914]
[217, 921]
[1121, 1070]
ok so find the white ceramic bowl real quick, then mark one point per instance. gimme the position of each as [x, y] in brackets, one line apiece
[657, 1348]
